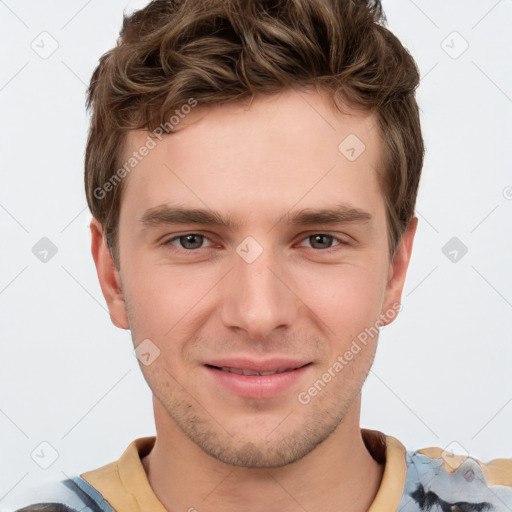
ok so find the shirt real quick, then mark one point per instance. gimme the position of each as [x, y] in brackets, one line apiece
[426, 480]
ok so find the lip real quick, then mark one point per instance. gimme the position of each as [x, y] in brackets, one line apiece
[266, 365]
[257, 386]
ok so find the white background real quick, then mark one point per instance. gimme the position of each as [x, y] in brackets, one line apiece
[68, 377]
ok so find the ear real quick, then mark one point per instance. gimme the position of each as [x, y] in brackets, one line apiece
[109, 277]
[397, 272]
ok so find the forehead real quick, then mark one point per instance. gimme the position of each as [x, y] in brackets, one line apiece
[285, 149]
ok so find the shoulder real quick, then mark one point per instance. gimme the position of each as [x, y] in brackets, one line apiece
[70, 495]
[456, 482]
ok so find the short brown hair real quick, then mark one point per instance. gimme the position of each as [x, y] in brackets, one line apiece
[215, 51]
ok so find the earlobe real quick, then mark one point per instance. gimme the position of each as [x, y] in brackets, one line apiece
[109, 277]
[397, 273]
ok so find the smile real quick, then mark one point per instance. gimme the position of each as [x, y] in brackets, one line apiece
[258, 380]
[252, 372]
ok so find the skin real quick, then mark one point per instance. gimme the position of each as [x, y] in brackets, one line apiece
[198, 299]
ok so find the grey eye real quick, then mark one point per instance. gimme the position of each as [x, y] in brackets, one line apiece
[324, 241]
[189, 241]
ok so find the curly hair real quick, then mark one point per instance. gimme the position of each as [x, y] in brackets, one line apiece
[216, 51]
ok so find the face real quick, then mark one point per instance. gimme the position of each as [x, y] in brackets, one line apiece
[251, 242]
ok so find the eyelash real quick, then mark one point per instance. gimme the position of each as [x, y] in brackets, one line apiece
[328, 250]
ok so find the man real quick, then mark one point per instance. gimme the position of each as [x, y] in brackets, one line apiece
[252, 170]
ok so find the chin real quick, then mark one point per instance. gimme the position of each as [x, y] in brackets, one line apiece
[278, 446]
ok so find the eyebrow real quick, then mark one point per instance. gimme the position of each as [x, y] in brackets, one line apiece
[164, 214]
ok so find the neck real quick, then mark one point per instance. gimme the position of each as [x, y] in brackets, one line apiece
[339, 474]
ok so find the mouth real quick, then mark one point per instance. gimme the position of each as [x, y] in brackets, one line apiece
[253, 373]
[260, 380]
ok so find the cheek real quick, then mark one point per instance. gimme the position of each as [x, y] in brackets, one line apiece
[164, 300]
[347, 298]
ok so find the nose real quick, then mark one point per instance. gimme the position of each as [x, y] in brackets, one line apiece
[258, 298]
